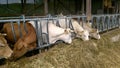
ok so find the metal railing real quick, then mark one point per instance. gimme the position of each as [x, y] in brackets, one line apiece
[100, 22]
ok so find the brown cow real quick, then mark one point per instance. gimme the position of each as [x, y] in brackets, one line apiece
[25, 43]
[5, 50]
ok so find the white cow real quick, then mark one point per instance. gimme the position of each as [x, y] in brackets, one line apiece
[78, 29]
[94, 33]
[55, 33]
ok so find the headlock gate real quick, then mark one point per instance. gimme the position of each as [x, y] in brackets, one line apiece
[101, 22]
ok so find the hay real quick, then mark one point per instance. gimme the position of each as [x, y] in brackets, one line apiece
[101, 53]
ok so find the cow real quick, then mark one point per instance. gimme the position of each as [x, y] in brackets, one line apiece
[23, 44]
[5, 50]
[55, 33]
[94, 33]
[78, 29]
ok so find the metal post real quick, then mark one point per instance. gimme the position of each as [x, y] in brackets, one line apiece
[54, 7]
[7, 3]
[34, 4]
[46, 6]
[88, 10]
[83, 7]
[22, 6]
[103, 6]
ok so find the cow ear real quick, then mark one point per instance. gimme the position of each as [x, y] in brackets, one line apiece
[18, 47]
[20, 44]
[24, 45]
[94, 30]
[89, 24]
[80, 33]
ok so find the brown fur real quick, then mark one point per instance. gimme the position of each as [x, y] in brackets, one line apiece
[5, 50]
[24, 44]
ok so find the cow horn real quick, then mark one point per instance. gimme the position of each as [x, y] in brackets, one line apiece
[71, 30]
[89, 24]
[2, 45]
[3, 34]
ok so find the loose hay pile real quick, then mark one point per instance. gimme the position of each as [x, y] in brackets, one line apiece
[101, 53]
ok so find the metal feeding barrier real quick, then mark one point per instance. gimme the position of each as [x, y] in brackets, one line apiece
[106, 22]
[101, 22]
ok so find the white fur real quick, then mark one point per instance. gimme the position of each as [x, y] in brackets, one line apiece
[78, 29]
[55, 33]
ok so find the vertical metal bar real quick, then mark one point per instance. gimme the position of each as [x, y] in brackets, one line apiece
[54, 6]
[34, 4]
[83, 7]
[37, 34]
[66, 22]
[46, 6]
[22, 6]
[47, 31]
[108, 23]
[78, 20]
[83, 21]
[40, 33]
[98, 22]
[70, 25]
[24, 24]
[14, 35]
[119, 21]
[116, 21]
[93, 23]
[113, 23]
[88, 10]
[7, 4]
[58, 23]
[103, 22]
[19, 29]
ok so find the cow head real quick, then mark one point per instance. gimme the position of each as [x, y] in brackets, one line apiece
[95, 34]
[20, 48]
[84, 35]
[65, 36]
[5, 50]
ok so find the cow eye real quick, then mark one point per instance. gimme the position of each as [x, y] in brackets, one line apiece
[84, 35]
